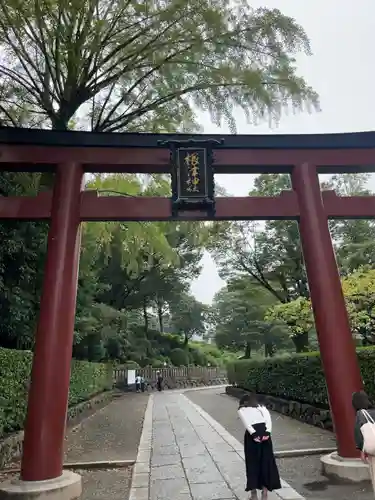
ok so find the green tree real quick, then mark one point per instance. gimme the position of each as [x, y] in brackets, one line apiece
[171, 281]
[22, 252]
[297, 315]
[359, 291]
[188, 316]
[142, 65]
[354, 240]
[239, 318]
[279, 252]
[134, 66]
[272, 254]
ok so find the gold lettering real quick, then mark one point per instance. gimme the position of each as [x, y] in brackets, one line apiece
[192, 162]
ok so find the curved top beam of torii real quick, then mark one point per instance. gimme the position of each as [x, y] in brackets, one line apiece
[40, 150]
[69, 138]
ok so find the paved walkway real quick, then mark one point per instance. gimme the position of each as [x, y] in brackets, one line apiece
[184, 454]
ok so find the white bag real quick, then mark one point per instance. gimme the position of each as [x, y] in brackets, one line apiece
[368, 433]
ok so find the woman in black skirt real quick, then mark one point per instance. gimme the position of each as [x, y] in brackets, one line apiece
[261, 469]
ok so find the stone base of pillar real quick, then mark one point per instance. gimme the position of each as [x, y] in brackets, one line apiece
[66, 487]
[349, 469]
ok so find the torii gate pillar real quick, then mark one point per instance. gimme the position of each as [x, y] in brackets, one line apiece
[42, 460]
[337, 348]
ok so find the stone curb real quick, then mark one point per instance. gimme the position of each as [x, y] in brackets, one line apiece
[99, 464]
[303, 453]
[192, 389]
[140, 480]
[286, 492]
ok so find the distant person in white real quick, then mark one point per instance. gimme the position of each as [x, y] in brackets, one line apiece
[138, 380]
[261, 469]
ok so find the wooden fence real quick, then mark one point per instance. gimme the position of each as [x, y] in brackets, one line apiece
[193, 373]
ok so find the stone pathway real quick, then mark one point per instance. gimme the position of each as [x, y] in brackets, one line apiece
[184, 454]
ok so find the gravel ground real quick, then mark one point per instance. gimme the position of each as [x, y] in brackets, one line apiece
[106, 484]
[302, 473]
[113, 433]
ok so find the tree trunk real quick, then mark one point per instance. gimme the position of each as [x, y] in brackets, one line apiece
[160, 316]
[186, 340]
[248, 350]
[145, 316]
[301, 342]
[268, 350]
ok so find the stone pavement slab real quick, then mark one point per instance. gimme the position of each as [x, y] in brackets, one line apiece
[184, 454]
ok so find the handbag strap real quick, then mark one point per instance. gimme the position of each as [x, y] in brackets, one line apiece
[368, 416]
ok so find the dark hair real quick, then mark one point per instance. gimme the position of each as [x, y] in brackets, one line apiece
[249, 400]
[360, 401]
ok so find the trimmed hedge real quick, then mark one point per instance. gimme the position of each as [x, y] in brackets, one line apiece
[87, 379]
[298, 378]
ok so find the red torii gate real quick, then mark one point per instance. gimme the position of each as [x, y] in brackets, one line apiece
[71, 154]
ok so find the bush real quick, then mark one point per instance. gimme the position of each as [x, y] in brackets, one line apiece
[298, 378]
[197, 357]
[179, 357]
[129, 365]
[87, 379]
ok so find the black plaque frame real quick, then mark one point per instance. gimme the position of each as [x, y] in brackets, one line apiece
[182, 199]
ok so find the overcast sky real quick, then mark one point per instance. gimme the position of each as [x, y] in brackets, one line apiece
[341, 70]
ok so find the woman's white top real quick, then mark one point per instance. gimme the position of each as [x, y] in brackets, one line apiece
[255, 415]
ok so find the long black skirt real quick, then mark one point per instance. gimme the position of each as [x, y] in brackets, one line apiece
[261, 468]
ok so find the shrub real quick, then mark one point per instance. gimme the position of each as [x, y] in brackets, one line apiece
[129, 365]
[157, 363]
[87, 379]
[14, 376]
[299, 377]
[179, 357]
[197, 357]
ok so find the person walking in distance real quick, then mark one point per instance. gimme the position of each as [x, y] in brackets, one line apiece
[159, 381]
[364, 430]
[261, 469]
[138, 383]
